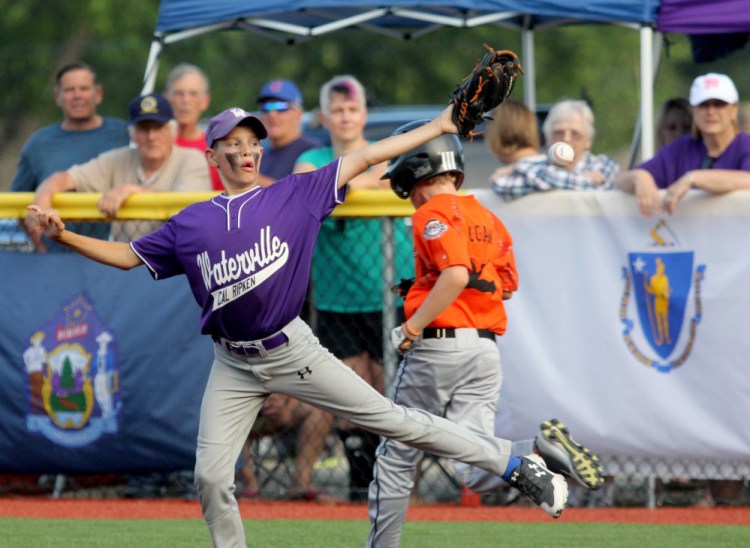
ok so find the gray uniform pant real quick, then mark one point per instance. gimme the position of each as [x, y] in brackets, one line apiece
[458, 378]
[237, 386]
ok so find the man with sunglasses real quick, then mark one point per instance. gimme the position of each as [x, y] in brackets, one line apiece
[714, 157]
[280, 105]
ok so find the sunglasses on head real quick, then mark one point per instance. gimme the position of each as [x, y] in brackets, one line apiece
[715, 103]
[275, 106]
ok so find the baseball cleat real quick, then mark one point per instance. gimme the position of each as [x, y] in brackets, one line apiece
[545, 488]
[563, 455]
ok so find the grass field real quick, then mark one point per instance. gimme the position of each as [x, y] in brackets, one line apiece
[162, 533]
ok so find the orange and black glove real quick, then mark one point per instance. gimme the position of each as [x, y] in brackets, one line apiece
[489, 84]
[403, 287]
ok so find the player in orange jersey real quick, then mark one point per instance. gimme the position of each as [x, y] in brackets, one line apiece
[465, 269]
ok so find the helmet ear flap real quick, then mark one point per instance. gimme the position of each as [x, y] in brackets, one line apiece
[440, 155]
[400, 189]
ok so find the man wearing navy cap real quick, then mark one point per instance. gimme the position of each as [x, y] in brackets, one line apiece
[280, 105]
[155, 164]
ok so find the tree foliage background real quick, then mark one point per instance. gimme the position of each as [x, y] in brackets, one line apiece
[598, 62]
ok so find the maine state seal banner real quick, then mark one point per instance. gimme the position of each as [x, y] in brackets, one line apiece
[72, 376]
[661, 301]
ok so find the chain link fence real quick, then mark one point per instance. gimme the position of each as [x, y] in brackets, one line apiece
[299, 453]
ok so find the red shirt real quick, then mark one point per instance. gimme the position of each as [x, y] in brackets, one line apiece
[200, 144]
[452, 230]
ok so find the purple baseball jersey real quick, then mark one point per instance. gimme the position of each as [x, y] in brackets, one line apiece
[247, 257]
[688, 153]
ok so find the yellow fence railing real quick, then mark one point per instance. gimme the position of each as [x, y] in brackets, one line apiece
[162, 205]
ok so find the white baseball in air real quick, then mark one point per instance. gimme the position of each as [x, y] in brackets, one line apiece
[560, 154]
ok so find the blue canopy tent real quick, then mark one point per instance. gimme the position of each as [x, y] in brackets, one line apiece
[295, 21]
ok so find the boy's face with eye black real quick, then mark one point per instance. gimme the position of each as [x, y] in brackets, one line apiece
[237, 157]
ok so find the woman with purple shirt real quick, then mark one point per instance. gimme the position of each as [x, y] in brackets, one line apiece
[715, 157]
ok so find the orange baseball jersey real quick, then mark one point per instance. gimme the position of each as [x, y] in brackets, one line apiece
[452, 230]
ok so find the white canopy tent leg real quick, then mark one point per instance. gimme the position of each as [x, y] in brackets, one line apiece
[529, 67]
[647, 92]
[152, 65]
[644, 125]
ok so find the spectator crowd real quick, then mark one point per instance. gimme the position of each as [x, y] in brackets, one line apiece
[161, 148]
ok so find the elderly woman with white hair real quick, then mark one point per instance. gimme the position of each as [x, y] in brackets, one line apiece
[714, 157]
[571, 121]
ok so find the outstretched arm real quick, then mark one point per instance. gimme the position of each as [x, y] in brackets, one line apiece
[370, 179]
[59, 181]
[641, 183]
[357, 162]
[117, 254]
[716, 181]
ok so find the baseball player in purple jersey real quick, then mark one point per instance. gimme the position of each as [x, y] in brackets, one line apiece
[246, 255]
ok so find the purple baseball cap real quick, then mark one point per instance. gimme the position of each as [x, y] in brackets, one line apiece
[220, 125]
[280, 90]
[153, 106]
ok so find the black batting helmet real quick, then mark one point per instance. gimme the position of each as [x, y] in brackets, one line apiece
[440, 155]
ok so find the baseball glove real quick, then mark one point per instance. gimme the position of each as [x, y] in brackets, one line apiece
[489, 84]
[403, 287]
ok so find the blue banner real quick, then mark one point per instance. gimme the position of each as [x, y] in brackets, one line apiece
[101, 371]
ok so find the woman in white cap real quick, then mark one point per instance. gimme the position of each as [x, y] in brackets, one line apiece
[714, 157]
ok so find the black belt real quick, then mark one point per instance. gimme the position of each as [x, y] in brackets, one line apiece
[450, 333]
[252, 348]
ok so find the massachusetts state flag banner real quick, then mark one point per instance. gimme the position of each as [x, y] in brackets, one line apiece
[631, 330]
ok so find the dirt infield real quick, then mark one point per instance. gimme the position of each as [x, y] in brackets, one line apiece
[34, 507]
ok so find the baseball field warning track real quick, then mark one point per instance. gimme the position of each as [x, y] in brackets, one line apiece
[34, 507]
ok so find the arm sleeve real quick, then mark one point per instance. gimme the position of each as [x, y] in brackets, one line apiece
[511, 186]
[658, 169]
[95, 175]
[441, 240]
[24, 180]
[307, 157]
[542, 176]
[505, 263]
[744, 156]
[318, 190]
[607, 167]
[157, 251]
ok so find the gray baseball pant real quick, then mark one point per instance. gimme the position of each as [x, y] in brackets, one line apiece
[458, 378]
[303, 369]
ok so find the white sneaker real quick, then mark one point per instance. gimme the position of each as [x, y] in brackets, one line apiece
[545, 488]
